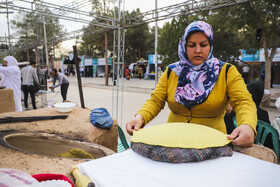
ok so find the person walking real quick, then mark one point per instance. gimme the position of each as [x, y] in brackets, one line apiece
[11, 79]
[62, 82]
[140, 72]
[82, 71]
[245, 72]
[126, 73]
[29, 81]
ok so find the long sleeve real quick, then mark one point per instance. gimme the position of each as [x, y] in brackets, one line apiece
[241, 100]
[35, 76]
[157, 101]
[9, 71]
[59, 81]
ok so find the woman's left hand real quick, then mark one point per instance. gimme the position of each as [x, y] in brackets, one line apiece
[242, 136]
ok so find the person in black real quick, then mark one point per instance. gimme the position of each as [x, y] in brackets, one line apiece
[272, 76]
[29, 81]
[257, 91]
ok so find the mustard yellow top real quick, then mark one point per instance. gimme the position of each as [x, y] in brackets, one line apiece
[209, 113]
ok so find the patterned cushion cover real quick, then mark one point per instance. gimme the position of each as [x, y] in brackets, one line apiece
[170, 144]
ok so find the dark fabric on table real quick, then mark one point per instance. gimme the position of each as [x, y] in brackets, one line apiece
[180, 155]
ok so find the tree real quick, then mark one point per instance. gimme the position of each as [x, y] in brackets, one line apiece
[169, 37]
[30, 28]
[139, 40]
[3, 47]
[93, 39]
[247, 18]
[234, 29]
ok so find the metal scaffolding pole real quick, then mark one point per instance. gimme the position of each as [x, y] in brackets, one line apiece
[156, 44]
[46, 45]
[118, 65]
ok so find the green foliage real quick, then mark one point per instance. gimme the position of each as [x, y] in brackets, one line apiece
[93, 39]
[169, 37]
[30, 28]
[3, 47]
[234, 29]
[139, 40]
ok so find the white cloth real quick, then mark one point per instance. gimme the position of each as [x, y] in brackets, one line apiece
[128, 169]
[11, 79]
[276, 125]
[277, 103]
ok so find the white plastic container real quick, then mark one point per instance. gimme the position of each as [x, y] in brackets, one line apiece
[64, 107]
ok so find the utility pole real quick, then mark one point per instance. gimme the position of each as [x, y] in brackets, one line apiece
[8, 23]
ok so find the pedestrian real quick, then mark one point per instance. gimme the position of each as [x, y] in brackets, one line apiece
[256, 89]
[126, 73]
[198, 88]
[245, 72]
[71, 71]
[262, 71]
[41, 76]
[62, 82]
[114, 77]
[159, 70]
[29, 83]
[140, 72]
[11, 79]
[82, 71]
[272, 76]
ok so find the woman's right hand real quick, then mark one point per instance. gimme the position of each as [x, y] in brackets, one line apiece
[134, 124]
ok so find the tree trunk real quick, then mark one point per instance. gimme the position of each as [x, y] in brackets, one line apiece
[27, 55]
[268, 64]
[37, 56]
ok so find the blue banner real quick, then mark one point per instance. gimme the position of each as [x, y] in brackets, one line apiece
[94, 62]
[250, 57]
[151, 59]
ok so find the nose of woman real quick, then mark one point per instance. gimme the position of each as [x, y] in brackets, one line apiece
[197, 49]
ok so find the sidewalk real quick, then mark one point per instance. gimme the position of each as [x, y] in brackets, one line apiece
[132, 85]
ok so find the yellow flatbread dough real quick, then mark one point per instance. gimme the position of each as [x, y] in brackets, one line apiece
[182, 135]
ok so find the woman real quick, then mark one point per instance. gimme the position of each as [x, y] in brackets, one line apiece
[11, 79]
[198, 88]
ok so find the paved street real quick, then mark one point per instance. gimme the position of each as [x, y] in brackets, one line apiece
[97, 95]
[135, 93]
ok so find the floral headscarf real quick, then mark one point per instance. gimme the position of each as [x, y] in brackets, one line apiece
[195, 83]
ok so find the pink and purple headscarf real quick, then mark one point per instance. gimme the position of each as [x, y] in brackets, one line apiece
[195, 83]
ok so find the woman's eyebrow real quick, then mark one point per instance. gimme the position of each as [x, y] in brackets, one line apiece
[195, 42]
